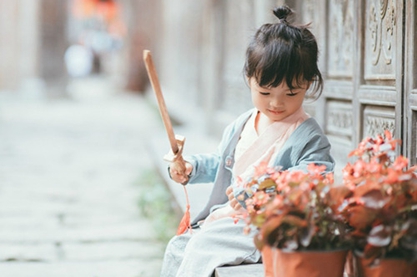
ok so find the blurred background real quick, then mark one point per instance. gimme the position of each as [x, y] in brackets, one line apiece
[46, 44]
[80, 135]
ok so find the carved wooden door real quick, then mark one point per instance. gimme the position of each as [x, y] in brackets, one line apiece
[368, 61]
[410, 82]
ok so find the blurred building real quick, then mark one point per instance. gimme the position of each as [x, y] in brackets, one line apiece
[35, 35]
[367, 57]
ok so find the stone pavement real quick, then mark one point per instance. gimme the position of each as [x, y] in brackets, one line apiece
[68, 198]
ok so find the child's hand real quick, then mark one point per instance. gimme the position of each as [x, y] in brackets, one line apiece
[232, 200]
[176, 169]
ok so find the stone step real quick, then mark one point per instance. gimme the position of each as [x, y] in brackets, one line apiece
[249, 270]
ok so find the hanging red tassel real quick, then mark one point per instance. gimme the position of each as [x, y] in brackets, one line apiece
[185, 223]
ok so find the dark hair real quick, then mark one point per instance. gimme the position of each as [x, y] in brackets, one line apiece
[283, 51]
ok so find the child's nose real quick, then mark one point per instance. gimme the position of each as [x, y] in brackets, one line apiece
[276, 102]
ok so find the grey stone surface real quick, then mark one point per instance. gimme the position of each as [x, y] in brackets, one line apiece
[250, 270]
[68, 198]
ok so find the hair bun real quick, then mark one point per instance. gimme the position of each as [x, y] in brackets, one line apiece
[282, 13]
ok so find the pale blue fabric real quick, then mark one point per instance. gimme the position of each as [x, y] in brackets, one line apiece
[198, 254]
[223, 242]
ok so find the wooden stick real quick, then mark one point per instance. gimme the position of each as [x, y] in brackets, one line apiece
[150, 67]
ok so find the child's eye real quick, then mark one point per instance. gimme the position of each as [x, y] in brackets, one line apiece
[292, 94]
[264, 93]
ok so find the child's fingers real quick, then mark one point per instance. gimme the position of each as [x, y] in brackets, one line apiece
[176, 176]
[188, 168]
[179, 172]
[179, 178]
[229, 193]
[235, 204]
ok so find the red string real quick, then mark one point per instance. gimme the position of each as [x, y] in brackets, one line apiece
[185, 223]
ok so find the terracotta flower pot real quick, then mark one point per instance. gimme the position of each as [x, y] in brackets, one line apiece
[278, 263]
[267, 261]
[387, 268]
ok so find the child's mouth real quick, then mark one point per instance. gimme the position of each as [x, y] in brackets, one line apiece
[276, 112]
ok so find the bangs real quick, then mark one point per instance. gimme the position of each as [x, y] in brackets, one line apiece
[281, 62]
[277, 63]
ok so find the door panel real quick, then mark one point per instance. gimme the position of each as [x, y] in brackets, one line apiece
[380, 88]
[380, 22]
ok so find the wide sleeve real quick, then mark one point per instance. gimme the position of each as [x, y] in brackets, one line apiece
[308, 144]
[206, 166]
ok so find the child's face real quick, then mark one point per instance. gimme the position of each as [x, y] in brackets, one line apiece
[277, 102]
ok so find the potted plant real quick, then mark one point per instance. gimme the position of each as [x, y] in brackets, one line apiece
[298, 220]
[382, 210]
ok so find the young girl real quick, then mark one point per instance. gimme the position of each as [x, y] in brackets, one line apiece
[281, 70]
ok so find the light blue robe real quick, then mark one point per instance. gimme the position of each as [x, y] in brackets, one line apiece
[223, 242]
